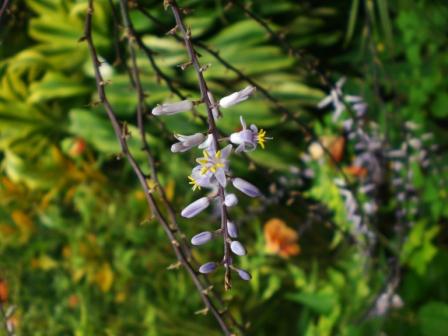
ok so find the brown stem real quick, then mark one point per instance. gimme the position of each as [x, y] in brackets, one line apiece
[140, 175]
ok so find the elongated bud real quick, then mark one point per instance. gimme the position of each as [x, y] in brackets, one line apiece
[196, 207]
[232, 229]
[237, 248]
[187, 142]
[244, 274]
[230, 200]
[202, 238]
[172, 108]
[248, 188]
[208, 267]
[237, 97]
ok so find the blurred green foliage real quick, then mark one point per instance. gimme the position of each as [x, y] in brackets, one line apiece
[77, 250]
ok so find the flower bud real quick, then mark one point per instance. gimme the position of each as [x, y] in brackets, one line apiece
[172, 108]
[196, 207]
[208, 267]
[246, 187]
[232, 229]
[237, 248]
[244, 274]
[202, 238]
[237, 97]
[230, 200]
[187, 142]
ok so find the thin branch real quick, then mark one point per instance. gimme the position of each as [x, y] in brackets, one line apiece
[140, 175]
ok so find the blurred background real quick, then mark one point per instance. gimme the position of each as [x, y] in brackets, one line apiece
[347, 241]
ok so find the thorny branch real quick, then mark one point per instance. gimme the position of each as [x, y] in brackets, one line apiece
[182, 258]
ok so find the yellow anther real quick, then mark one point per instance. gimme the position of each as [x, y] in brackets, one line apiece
[194, 183]
[204, 170]
[218, 154]
[261, 138]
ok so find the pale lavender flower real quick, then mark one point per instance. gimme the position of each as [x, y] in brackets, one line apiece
[237, 97]
[244, 274]
[232, 229]
[237, 248]
[202, 238]
[230, 200]
[187, 142]
[334, 98]
[196, 207]
[208, 267]
[172, 108]
[248, 188]
[248, 138]
[207, 143]
[215, 163]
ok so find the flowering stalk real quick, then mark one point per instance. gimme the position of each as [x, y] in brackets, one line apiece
[183, 259]
[213, 170]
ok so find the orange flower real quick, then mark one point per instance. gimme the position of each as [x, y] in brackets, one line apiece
[78, 147]
[337, 148]
[356, 171]
[281, 239]
[3, 291]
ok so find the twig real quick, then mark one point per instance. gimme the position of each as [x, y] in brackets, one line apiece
[140, 175]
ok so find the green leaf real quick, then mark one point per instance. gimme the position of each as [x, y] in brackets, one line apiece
[385, 21]
[433, 318]
[351, 21]
[321, 303]
[55, 85]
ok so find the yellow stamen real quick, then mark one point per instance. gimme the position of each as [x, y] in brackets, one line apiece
[261, 138]
[218, 154]
[194, 183]
[204, 170]
[202, 161]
